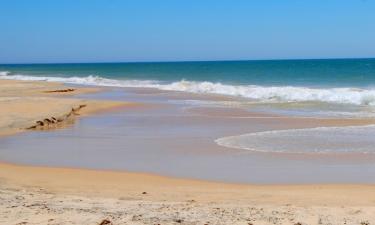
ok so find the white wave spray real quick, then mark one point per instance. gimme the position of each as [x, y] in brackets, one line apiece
[355, 96]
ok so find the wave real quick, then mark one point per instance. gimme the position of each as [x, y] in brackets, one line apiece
[350, 139]
[89, 80]
[4, 73]
[281, 94]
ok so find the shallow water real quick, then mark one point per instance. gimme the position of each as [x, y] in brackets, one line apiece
[352, 139]
[173, 135]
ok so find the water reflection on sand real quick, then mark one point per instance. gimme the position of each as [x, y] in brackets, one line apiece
[174, 134]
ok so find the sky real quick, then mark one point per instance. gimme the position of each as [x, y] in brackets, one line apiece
[49, 31]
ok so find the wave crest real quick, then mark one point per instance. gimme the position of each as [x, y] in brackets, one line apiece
[281, 94]
[4, 73]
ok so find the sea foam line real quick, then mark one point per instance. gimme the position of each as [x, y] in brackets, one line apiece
[241, 141]
[355, 96]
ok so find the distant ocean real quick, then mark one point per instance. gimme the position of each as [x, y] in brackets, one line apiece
[333, 81]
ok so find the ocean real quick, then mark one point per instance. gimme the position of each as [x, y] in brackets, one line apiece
[338, 81]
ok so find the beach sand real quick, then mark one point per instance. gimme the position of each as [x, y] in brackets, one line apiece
[23, 104]
[38, 195]
[41, 195]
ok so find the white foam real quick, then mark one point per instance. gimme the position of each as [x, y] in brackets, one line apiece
[351, 139]
[355, 96]
[4, 73]
[89, 80]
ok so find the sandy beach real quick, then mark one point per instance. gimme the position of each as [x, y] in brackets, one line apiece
[23, 104]
[45, 195]
[36, 195]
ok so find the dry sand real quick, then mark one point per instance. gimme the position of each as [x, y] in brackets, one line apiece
[37, 195]
[40, 195]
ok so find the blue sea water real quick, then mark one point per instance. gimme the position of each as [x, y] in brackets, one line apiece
[310, 73]
[336, 81]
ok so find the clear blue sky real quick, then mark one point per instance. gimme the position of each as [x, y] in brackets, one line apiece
[170, 30]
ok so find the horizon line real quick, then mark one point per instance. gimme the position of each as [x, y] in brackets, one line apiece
[187, 61]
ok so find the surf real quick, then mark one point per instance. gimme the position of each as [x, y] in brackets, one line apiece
[266, 94]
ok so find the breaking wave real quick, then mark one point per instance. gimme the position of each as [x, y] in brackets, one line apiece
[355, 96]
[4, 73]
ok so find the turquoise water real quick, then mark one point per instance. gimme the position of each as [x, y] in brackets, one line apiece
[308, 73]
[335, 81]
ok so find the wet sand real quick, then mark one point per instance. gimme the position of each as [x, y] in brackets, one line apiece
[166, 135]
[45, 195]
[23, 104]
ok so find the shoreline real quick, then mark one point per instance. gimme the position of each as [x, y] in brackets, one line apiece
[35, 194]
[82, 107]
[90, 107]
[41, 105]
